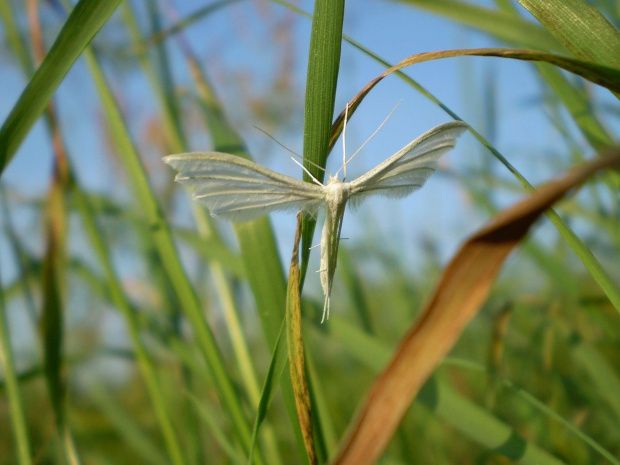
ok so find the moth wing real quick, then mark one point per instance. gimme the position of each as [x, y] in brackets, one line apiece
[409, 168]
[240, 190]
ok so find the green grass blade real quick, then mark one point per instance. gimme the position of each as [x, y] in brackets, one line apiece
[163, 85]
[54, 295]
[321, 81]
[322, 78]
[272, 379]
[445, 402]
[156, 67]
[184, 23]
[257, 242]
[326, 437]
[120, 301]
[603, 375]
[296, 349]
[353, 282]
[579, 105]
[490, 431]
[211, 420]
[209, 232]
[580, 27]
[506, 27]
[131, 433]
[208, 240]
[256, 239]
[52, 333]
[26, 273]
[213, 250]
[242, 352]
[537, 404]
[166, 250]
[576, 101]
[14, 38]
[11, 384]
[84, 22]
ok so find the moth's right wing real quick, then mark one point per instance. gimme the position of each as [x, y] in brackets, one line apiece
[240, 190]
[408, 169]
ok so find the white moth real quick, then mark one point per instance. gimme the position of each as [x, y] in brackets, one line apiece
[237, 189]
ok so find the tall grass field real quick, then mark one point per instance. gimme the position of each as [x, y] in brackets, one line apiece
[474, 322]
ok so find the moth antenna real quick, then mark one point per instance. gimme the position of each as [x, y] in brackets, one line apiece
[308, 172]
[318, 245]
[277, 142]
[344, 143]
[374, 133]
[293, 152]
[315, 165]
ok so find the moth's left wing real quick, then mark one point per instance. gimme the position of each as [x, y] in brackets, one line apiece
[240, 190]
[409, 168]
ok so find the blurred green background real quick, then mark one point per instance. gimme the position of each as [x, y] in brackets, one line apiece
[137, 329]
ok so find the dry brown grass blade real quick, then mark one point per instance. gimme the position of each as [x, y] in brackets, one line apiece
[602, 75]
[462, 290]
[297, 361]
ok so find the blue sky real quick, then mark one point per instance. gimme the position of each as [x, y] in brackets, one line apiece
[239, 51]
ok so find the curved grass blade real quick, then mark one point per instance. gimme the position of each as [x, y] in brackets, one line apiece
[574, 99]
[461, 291]
[602, 75]
[607, 284]
[506, 27]
[496, 24]
[296, 349]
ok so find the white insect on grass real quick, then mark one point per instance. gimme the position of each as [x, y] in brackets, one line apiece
[237, 189]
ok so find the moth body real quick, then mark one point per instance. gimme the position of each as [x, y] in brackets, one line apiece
[337, 191]
[240, 190]
[336, 195]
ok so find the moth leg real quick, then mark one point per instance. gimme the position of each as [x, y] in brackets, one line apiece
[325, 309]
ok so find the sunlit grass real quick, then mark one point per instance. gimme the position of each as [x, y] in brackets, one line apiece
[183, 380]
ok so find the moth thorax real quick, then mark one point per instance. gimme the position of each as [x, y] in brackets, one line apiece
[336, 191]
